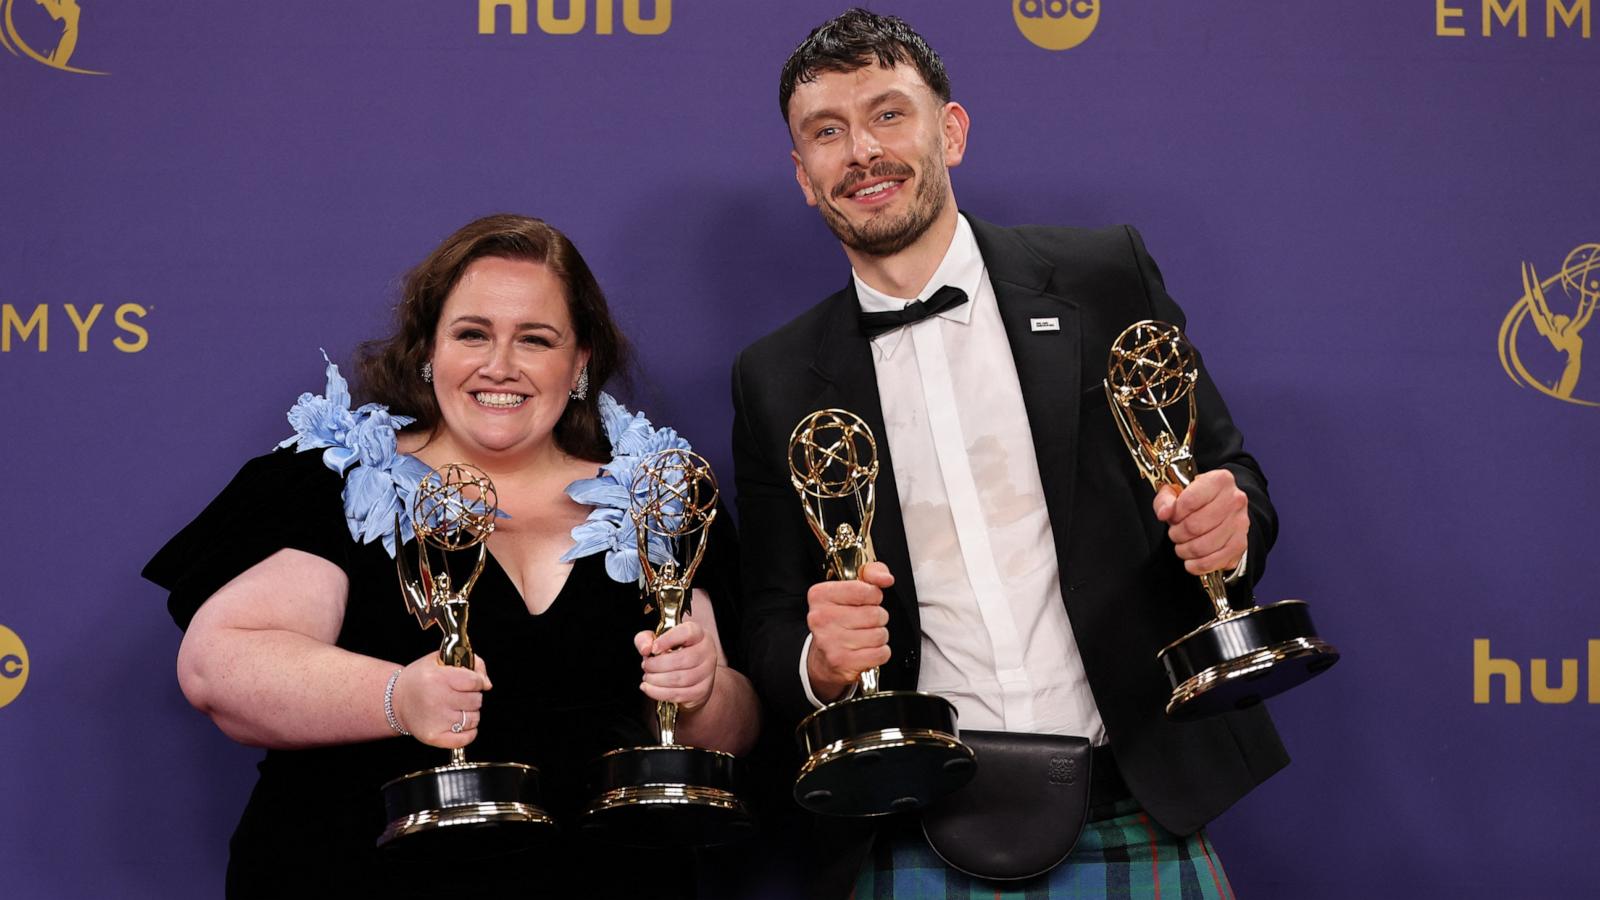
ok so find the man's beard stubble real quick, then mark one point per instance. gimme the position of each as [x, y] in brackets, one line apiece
[884, 235]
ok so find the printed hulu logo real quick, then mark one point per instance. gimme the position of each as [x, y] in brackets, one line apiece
[577, 18]
[1485, 668]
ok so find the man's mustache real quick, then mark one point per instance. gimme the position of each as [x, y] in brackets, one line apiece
[881, 169]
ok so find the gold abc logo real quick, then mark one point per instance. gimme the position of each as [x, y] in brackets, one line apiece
[13, 665]
[1056, 24]
[1559, 356]
[65, 15]
[577, 17]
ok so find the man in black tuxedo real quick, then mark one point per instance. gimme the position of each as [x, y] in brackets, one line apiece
[1026, 572]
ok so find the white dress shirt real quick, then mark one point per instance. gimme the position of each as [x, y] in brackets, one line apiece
[996, 641]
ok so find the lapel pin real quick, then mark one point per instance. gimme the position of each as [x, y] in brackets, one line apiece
[1050, 324]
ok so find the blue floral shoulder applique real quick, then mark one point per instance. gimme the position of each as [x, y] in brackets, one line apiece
[385, 482]
[609, 528]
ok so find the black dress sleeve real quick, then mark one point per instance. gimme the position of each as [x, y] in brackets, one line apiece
[284, 500]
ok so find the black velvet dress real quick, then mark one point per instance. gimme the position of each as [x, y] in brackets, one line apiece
[566, 689]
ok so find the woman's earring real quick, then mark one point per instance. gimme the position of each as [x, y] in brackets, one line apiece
[427, 372]
[582, 390]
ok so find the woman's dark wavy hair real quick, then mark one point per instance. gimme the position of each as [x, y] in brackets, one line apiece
[389, 369]
[855, 39]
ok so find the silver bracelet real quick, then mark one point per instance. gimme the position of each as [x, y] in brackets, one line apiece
[388, 704]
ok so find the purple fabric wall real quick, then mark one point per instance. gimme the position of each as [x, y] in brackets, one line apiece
[1341, 197]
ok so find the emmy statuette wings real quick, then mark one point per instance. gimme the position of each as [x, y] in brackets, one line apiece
[1561, 362]
[1239, 657]
[669, 795]
[489, 807]
[878, 752]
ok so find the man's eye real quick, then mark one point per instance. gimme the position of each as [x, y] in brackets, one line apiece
[825, 133]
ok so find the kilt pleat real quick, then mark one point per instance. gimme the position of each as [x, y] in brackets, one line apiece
[1126, 856]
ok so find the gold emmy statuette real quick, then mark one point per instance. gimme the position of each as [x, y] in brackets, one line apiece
[1240, 657]
[473, 807]
[879, 751]
[669, 794]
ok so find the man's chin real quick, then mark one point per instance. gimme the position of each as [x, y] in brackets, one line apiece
[880, 240]
[885, 233]
[884, 247]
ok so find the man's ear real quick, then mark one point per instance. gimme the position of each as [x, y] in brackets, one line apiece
[803, 179]
[955, 124]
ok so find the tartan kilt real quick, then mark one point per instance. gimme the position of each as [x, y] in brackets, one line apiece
[1126, 856]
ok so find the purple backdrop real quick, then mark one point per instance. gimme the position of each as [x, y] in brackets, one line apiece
[1342, 197]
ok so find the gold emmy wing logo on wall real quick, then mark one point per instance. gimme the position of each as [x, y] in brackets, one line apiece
[13, 665]
[1056, 24]
[64, 13]
[1554, 344]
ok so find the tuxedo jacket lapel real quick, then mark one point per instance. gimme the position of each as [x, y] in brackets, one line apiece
[1049, 364]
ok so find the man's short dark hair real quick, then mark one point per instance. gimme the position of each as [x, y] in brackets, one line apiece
[854, 40]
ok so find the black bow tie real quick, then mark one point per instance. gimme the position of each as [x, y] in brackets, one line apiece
[876, 323]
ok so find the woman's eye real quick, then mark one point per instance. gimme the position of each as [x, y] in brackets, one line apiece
[469, 334]
[536, 340]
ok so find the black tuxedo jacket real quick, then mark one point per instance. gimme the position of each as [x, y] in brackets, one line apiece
[1125, 590]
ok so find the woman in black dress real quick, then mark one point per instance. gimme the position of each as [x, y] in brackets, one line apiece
[296, 639]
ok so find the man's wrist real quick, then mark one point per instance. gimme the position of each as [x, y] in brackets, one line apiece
[1240, 569]
[819, 687]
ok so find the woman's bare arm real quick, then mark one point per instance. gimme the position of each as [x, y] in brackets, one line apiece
[259, 659]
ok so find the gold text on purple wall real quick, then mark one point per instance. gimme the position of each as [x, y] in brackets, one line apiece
[1496, 18]
[25, 327]
[1486, 667]
[576, 16]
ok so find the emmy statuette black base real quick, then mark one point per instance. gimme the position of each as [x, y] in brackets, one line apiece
[890, 752]
[465, 810]
[668, 796]
[1242, 659]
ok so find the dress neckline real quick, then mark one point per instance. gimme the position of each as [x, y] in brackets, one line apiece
[516, 591]
[505, 576]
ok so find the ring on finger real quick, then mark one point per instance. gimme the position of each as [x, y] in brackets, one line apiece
[460, 726]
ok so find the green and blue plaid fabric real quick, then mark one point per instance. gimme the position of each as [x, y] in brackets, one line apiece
[1124, 857]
